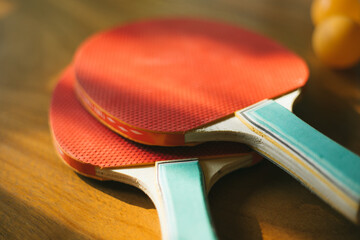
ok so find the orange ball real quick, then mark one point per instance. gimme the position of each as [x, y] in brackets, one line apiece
[336, 41]
[322, 9]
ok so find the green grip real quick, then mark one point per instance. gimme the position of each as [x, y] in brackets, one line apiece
[184, 196]
[335, 162]
[327, 168]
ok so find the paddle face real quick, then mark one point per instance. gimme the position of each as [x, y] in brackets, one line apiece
[153, 81]
[85, 144]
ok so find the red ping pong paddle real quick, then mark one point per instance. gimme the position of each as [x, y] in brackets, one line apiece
[184, 81]
[174, 178]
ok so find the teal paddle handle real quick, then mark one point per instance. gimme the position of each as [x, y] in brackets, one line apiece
[184, 197]
[330, 170]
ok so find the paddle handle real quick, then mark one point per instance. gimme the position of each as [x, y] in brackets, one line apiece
[178, 192]
[328, 169]
[184, 197]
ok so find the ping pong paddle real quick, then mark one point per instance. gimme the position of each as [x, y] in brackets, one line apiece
[172, 177]
[183, 81]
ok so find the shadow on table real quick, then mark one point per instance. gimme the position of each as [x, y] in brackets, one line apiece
[330, 102]
[19, 220]
[121, 191]
[264, 201]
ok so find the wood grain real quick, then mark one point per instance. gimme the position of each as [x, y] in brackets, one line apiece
[40, 198]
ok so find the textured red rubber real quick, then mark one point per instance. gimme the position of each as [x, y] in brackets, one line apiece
[174, 75]
[83, 142]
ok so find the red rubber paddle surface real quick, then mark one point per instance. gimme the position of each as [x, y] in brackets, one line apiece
[84, 143]
[175, 75]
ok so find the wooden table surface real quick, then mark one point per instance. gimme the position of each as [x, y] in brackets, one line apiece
[41, 198]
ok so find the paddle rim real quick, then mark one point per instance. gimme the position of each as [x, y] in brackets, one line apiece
[141, 135]
[89, 170]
